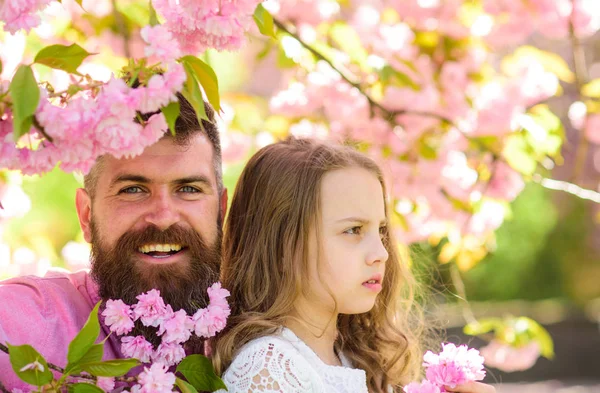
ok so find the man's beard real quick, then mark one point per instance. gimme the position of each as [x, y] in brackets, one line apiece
[120, 274]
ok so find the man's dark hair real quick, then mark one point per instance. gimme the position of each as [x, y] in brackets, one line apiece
[186, 127]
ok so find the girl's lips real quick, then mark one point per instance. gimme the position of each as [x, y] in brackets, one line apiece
[376, 287]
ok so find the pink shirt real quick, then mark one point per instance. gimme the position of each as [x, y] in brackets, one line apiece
[46, 312]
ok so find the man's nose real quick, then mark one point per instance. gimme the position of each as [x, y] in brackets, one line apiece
[162, 211]
[377, 251]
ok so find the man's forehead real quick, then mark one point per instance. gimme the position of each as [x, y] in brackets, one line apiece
[165, 159]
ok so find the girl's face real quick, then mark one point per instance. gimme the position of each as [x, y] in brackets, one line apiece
[351, 262]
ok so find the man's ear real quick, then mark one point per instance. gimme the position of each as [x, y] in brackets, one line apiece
[223, 204]
[83, 203]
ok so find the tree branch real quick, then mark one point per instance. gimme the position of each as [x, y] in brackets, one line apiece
[388, 114]
[569, 188]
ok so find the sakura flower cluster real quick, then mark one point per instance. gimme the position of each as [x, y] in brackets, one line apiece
[86, 127]
[21, 14]
[452, 367]
[198, 25]
[174, 327]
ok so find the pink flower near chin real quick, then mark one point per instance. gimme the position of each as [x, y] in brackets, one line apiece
[424, 387]
[106, 383]
[117, 316]
[177, 329]
[161, 43]
[156, 379]
[136, 347]
[209, 321]
[168, 354]
[454, 365]
[592, 129]
[150, 308]
[217, 295]
[508, 358]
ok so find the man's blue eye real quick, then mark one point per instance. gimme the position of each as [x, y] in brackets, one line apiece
[131, 190]
[189, 189]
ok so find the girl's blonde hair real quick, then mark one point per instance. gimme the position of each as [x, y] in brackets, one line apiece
[265, 264]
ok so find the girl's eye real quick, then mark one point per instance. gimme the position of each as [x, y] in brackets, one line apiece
[189, 189]
[353, 230]
[131, 190]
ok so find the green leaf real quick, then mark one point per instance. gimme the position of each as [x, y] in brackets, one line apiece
[481, 326]
[153, 16]
[191, 92]
[394, 77]
[110, 368]
[264, 21]
[550, 61]
[0, 66]
[348, 40]
[185, 387]
[62, 57]
[283, 60]
[94, 354]
[591, 89]
[518, 154]
[198, 370]
[84, 388]
[85, 339]
[25, 96]
[171, 113]
[23, 355]
[542, 337]
[207, 78]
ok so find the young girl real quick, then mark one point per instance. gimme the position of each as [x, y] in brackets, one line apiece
[320, 300]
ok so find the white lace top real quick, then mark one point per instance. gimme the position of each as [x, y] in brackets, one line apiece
[285, 364]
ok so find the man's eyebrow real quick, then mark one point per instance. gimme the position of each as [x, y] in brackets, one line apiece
[193, 179]
[129, 178]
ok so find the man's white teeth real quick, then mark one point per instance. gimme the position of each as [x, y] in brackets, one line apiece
[159, 248]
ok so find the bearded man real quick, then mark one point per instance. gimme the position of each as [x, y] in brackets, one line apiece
[153, 221]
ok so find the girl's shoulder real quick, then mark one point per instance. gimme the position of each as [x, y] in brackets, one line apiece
[271, 364]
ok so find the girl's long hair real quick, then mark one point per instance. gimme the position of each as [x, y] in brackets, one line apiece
[265, 266]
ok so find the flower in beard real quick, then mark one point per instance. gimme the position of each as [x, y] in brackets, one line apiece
[122, 274]
[117, 316]
[177, 329]
[217, 295]
[209, 321]
[150, 308]
[136, 347]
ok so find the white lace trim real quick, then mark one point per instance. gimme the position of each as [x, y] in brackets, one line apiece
[285, 364]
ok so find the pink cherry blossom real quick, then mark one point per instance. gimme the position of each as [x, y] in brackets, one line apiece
[150, 308]
[208, 321]
[217, 295]
[506, 183]
[21, 14]
[219, 24]
[161, 43]
[156, 379]
[168, 353]
[508, 358]
[106, 383]
[424, 387]
[592, 129]
[136, 347]
[177, 328]
[117, 316]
